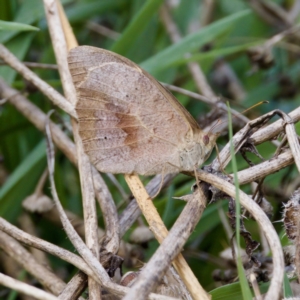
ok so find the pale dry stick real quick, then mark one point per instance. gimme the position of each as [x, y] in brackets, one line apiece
[49, 91]
[240, 138]
[265, 168]
[45, 246]
[107, 32]
[255, 287]
[194, 68]
[223, 73]
[265, 224]
[297, 250]
[171, 244]
[132, 211]
[74, 288]
[118, 186]
[27, 225]
[160, 232]
[293, 143]
[271, 14]
[25, 288]
[11, 268]
[16, 251]
[61, 48]
[294, 11]
[63, 254]
[225, 156]
[207, 12]
[84, 251]
[263, 241]
[103, 195]
[225, 223]
[278, 37]
[270, 131]
[30, 64]
[274, 14]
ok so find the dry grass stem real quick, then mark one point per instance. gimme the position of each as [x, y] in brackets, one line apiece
[293, 143]
[103, 196]
[28, 225]
[16, 251]
[46, 89]
[45, 246]
[264, 223]
[170, 247]
[272, 130]
[74, 288]
[24, 288]
[160, 231]
[265, 168]
[132, 211]
[34, 65]
[61, 45]
[103, 30]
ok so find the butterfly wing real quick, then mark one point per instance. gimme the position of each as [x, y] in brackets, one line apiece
[127, 121]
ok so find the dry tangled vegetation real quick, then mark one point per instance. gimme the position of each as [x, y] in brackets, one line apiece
[247, 55]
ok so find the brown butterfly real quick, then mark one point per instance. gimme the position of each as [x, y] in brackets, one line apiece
[128, 122]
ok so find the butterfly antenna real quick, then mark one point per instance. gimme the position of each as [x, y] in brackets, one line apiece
[255, 105]
[243, 112]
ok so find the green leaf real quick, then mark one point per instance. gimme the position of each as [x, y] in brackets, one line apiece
[222, 52]
[287, 291]
[84, 11]
[22, 182]
[16, 26]
[191, 43]
[233, 291]
[136, 26]
[19, 47]
[29, 12]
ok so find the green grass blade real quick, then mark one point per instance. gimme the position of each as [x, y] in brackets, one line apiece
[287, 290]
[136, 26]
[14, 26]
[222, 52]
[29, 12]
[243, 281]
[192, 43]
[85, 10]
[19, 47]
[22, 182]
[233, 291]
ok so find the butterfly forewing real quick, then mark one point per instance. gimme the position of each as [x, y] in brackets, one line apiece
[127, 121]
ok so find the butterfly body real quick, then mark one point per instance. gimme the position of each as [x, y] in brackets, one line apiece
[128, 122]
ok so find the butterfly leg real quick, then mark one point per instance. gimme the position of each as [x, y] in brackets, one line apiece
[161, 183]
[163, 172]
